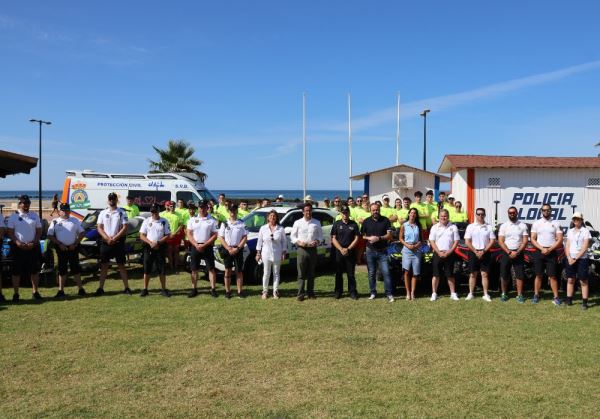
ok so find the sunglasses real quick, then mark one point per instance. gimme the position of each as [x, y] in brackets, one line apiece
[512, 213]
[480, 214]
[546, 210]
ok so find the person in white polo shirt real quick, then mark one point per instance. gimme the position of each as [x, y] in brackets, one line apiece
[233, 235]
[24, 230]
[443, 239]
[112, 227]
[479, 237]
[306, 235]
[155, 232]
[512, 238]
[546, 236]
[202, 233]
[66, 233]
[576, 261]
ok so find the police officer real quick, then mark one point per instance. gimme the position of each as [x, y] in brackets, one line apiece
[24, 231]
[131, 208]
[546, 236]
[512, 238]
[202, 233]
[306, 235]
[443, 239]
[112, 227]
[576, 260]
[66, 234]
[344, 237]
[155, 233]
[479, 238]
[233, 236]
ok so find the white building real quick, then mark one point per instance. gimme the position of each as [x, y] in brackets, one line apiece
[568, 184]
[399, 181]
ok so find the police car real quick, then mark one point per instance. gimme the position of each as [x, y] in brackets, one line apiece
[288, 214]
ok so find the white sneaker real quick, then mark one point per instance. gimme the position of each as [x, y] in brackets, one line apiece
[469, 297]
[390, 298]
[372, 297]
[487, 298]
[454, 297]
[433, 297]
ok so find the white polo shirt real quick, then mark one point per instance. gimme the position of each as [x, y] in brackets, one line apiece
[24, 224]
[66, 231]
[547, 231]
[480, 234]
[202, 228]
[306, 231]
[444, 236]
[513, 234]
[155, 229]
[112, 221]
[577, 239]
[233, 232]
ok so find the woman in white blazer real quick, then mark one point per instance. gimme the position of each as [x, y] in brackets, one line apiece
[271, 249]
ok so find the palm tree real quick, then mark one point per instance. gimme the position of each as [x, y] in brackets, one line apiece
[177, 157]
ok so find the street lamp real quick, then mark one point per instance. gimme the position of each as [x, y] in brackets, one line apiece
[40, 122]
[424, 115]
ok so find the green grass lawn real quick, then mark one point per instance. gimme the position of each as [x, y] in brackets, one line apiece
[120, 356]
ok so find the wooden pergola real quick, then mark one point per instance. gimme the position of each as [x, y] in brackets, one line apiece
[13, 163]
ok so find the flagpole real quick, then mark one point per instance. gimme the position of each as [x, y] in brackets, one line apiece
[350, 143]
[398, 131]
[304, 141]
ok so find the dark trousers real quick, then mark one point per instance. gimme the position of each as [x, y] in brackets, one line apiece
[306, 263]
[345, 264]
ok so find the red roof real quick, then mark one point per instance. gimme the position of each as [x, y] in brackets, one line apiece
[453, 162]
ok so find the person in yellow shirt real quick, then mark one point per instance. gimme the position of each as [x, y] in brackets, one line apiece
[402, 212]
[131, 209]
[432, 207]
[174, 240]
[387, 211]
[458, 215]
[243, 209]
[423, 210]
[182, 211]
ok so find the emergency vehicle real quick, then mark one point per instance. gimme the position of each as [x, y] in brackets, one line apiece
[86, 191]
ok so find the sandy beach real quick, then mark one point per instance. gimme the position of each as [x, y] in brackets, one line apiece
[10, 205]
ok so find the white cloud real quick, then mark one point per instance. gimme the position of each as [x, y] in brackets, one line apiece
[412, 109]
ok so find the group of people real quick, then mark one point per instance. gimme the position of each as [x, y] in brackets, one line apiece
[419, 224]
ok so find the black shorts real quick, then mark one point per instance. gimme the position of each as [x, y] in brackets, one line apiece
[25, 262]
[506, 263]
[155, 257]
[545, 263]
[68, 259]
[207, 255]
[116, 251]
[443, 267]
[236, 260]
[579, 270]
[483, 264]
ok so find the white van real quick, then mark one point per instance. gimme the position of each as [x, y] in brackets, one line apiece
[87, 191]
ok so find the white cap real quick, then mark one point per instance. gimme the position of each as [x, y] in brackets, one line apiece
[578, 215]
[385, 196]
[450, 196]
[280, 197]
[308, 198]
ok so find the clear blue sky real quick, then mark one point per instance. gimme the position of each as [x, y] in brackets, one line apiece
[116, 77]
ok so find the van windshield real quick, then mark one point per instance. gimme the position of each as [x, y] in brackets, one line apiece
[206, 195]
[255, 220]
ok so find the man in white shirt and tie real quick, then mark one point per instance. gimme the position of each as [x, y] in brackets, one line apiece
[306, 236]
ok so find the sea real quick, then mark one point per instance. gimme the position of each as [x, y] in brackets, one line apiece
[288, 194]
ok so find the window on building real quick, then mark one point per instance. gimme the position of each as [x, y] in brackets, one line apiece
[593, 182]
[493, 182]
